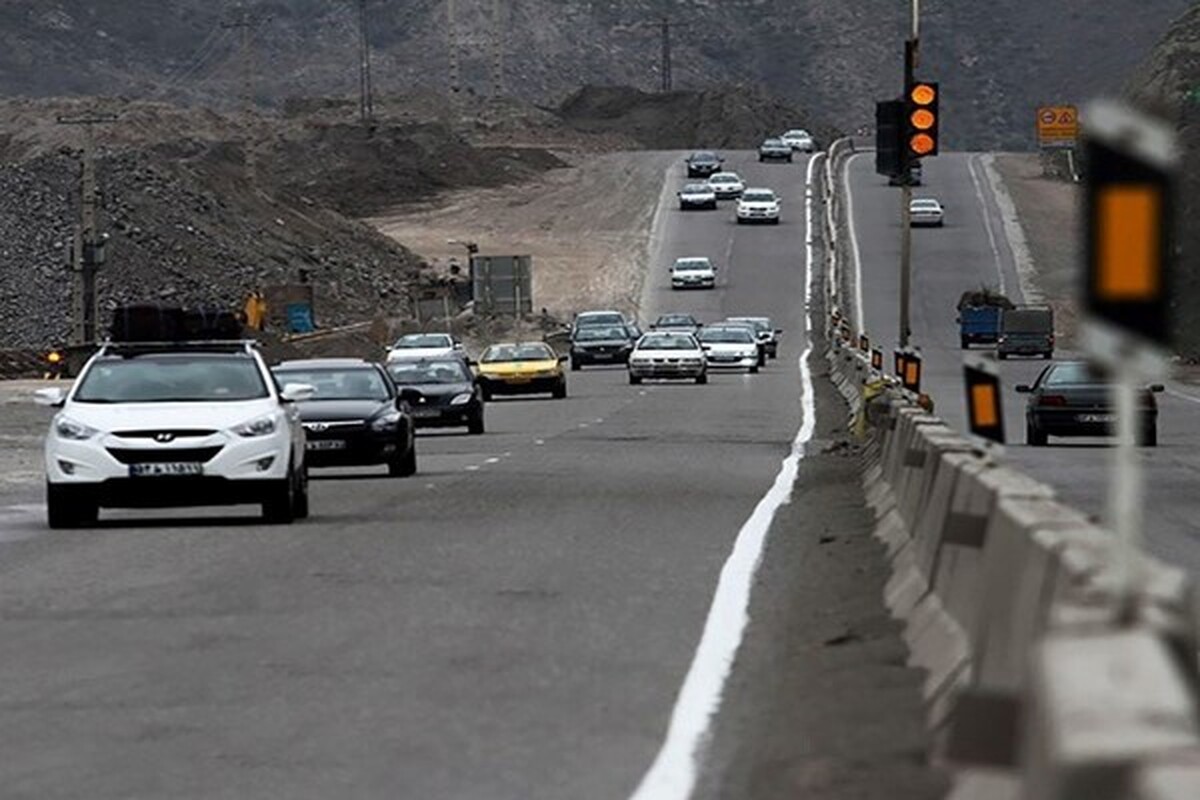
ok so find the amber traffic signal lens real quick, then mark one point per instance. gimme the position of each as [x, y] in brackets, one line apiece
[923, 119]
[54, 358]
[923, 94]
[922, 144]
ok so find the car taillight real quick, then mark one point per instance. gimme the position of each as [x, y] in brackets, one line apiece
[1052, 400]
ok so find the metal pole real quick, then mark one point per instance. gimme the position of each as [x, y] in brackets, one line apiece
[452, 43]
[905, 261]
[366, 101]
[667, 80]
[498, 35]
[1126, 487]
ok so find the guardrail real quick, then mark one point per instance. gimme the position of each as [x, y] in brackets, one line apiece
[1047, 677]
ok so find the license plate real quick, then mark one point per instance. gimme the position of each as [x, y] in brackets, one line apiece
[325, 444]
[164, 470]
[1098, 418]
[520, 380]
[425, 413]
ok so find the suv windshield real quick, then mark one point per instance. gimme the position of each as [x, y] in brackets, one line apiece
[676, 319]
[172, 378]
[692, 263]
[600, 318]
[339, 383]
[420, 373]
[758, 197]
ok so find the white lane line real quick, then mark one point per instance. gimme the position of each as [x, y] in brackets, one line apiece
[472, 468]
[857, 311]
[1014, 233]
[1183, 396]
[539, 442]
[492, 460]
[673, 774]
[987, 223]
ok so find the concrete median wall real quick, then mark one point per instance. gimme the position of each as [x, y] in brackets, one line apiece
[1057, 667]
[1014, 603]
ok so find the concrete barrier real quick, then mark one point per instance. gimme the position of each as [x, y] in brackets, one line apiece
[1010, 600]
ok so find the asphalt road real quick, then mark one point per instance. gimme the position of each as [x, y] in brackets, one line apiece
[513, 622]
[971, 250]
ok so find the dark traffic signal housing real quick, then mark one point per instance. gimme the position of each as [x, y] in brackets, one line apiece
[921, 120]
[889, 133]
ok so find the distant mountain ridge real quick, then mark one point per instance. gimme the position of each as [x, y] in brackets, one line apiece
[996, 60]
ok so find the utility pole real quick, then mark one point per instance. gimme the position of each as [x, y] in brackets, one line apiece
[452, 44]
[499, 37]
[911, 58]
[366, 99]
[88, 253]
[666, 55]
[245, 23]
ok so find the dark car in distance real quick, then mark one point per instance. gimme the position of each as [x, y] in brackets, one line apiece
[703, 163]
[441, 392]
[601, 345]
[357, 418]
[1074, 398]
[1026, 331]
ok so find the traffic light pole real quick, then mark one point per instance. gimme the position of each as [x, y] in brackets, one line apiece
[906, 192]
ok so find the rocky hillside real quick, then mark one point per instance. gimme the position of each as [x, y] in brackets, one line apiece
[996, 60]
[1168, 84]
[193, 219]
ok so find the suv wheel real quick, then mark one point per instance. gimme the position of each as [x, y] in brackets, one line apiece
[1149, 436]
[65, 508]
[560, 391]
[279, 505]
[634, 380]
[301, 499]
[475, 425]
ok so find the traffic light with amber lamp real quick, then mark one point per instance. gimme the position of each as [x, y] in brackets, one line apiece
[921, 120]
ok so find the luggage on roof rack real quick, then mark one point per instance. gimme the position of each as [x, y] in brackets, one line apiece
[151, 322]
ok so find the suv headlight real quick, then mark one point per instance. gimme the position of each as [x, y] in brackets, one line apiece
[386, 422]
[462, 399]
[262, 426]
[67, 428]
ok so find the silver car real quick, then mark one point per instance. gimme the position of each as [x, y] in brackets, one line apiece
[926, 212]
[668, 354]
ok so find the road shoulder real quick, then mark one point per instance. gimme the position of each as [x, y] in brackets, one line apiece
[821, 703]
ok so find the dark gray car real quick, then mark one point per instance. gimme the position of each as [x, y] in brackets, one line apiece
[1073, 398]
[1026, 331]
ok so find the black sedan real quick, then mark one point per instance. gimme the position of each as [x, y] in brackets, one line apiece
[1073, 398]
[601, 345]
[357, 418]
[442, 393]
[703, 164]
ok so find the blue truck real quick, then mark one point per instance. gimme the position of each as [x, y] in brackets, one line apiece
[979, 316]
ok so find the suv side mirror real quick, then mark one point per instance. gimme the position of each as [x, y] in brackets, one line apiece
[297, 392]
[51, 398]
[1157, 388]
[1024, 388]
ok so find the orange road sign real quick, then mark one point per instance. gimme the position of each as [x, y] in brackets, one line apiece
[1057, 126]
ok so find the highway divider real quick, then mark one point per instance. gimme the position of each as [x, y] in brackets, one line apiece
[1056, 669]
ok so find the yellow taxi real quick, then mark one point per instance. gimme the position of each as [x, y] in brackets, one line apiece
[522, 368]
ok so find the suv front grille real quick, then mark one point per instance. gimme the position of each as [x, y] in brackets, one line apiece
[173, 455]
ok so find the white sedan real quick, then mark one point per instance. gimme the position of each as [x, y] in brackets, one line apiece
[758, 205]
[727, 185]
[416, 346]
[693, 273]
[926, 212]
[800, 139]
[697, 195]
[729, 347]
[668, 354]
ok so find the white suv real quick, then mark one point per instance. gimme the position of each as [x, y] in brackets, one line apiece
[167, 425]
